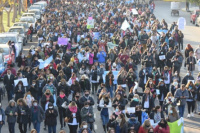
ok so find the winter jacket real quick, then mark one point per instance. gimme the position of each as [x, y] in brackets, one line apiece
[34, 91]
[19, 93]
[40, 113]
[162, 130]
[186, 78]
[44, 100]
[151, 116]
[52, 88]
[60, 101]
[85, 84]
[83, 99]
[23, 118]
[180, 93]
[85, 116]
[69, 115]
[51, 118]
[13, 110]
[101, 57]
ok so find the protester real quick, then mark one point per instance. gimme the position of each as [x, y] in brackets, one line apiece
[3, 115]
[162, 127]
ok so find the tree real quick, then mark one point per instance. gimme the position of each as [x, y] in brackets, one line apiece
[197, 2]
[2, 5]
[14, 11]
[11, 3]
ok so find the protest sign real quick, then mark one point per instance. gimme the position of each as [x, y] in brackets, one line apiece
[131, 109]
[162, 57]
[90, 23]
[96, 35]
[62, 41]
[24, 80]
[181, 23]
[125, 25]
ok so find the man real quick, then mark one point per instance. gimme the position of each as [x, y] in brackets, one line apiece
[190, 62]
[8, 82]
[86, 98]
[148, 61]
[143, 40]
[181, 94]
[101, 55]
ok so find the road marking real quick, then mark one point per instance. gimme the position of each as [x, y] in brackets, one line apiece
[95, 127]
[95, 115]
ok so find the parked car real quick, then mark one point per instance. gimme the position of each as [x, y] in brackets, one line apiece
[21, 30]
[194, 15]
[39, 7]
[24, 24]
[29, 20]
[43, 4]
[29, 14]
[36, 12]
[11, 36]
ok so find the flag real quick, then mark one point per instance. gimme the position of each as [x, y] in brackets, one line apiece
[177, 126]
[125, 25]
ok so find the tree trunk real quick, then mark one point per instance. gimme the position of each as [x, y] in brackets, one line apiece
[8, 15]
[1, 22]
[14, 12]
[19, 7]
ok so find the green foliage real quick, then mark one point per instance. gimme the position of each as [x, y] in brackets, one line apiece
[197, 2]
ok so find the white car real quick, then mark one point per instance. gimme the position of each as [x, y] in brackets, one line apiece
[42, 3]
[24, 24]
[5, 37]
[39, 7]
[29, 14]
[30, 20]
[36, 12]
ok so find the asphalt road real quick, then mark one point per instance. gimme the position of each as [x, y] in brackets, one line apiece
[191, 35]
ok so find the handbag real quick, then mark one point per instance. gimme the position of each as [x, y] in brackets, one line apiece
[98, 108]
[91, 120]
[64, 105]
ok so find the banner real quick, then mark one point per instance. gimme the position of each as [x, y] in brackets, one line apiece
[110, 45]
[177, 126]
[125, 25]
[45, 63]
[115, 73]
[181, 23]
[90, 23]
[96, 35]
[24, 80]
[62, 41]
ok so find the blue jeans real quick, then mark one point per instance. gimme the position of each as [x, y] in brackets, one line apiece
[11, 127]
[181, 109]
[9, 93]
[36, 126]
[1, 127]
[110, 89]
[52, 128]
[105, 119]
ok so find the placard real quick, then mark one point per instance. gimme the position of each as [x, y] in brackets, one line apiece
[24, 80]
[157, 91]
[62, 41]
[131, 109]
[162, 57]
[90, 23]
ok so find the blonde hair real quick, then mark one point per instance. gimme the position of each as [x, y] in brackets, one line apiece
[168, 94]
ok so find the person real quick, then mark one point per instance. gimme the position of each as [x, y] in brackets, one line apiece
[3, 116]
[94, 80]
[61, 99]
[157, 114]
[111, 130]
[34, 89]
[162, 127]
[173, 115]
[190, 62]
[191, 99]
[33, 131]
[84, 83]
[37, 115]
[84, 126]
[46, 98]
[197, 53]
[87, 115]
[145, 127]
[40, 83]
[73, 116]
[188, 49]
[119, 101]
[11, 113]
[169, 102]
[133, 123]
[120, 124]
[187, 77]
[144, 74]
[51, 118]
[109, 83]
[162, 92]
[105, 103]
[19, 91]
[87, 98]
[147, 100]
[23, 112]
[181, 94]
[30, 32]
[135, 101]
[8, 81]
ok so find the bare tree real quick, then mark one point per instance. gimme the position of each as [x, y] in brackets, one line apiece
[8, 15]
[2, 5]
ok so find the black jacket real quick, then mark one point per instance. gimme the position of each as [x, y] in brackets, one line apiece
[8, 83]
[51, 118]
[19, 94]
[70, 116]
[23, 118]
[85, 84]
[84, 99]
[44, 100]
[60, 101]
[151, 116]
[34, 91]
[151, 102]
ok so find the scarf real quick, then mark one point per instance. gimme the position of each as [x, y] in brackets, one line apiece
[62, 96]
[117, 113]
[73, 109]
[73, 79]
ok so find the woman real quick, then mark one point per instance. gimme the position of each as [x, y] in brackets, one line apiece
[46, 98]
[19, 91]
[109, 83]
[119, 124]
[169, 102]
[28, 98]
[23, 112]
[176, 77]
[84, 126]
[84, 83]
[173, 115]
[62, 85]
[73, 117]
[105, 103]
[135, 101]
[83, 70]
[3, 116]
[60, 76]
[188, 48]
[94, 78]
[192, 97]
[37, 115]
[130, 78]
[147, 100]
[61, 99]
[121, 91]
[174, 86]
[51, 118]
[157, 114]
[72, 79]
[152, 87]
[155, 76]
[145, 127]
[40, 83]
[11, 112]
[75, 87]
[162, 93]
[162, 127]
[180, 40]
[119, 100]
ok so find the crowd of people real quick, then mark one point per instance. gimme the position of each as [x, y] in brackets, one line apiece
[65, 88]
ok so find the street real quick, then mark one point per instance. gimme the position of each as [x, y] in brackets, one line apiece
[191, 35]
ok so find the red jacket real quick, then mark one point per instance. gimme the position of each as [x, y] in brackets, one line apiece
[142, 130]
[162, 130]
